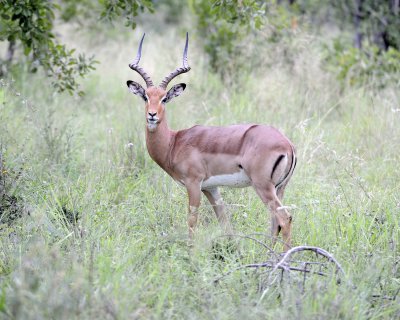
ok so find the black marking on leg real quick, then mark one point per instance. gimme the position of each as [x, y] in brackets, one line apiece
[276, 164]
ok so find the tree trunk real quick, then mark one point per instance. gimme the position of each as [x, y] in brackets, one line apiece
[395, 4]
[10, 51]
[357, 23]
[9, 57]
[381, 37]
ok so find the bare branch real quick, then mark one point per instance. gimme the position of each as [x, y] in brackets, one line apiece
[283, 264]
[322, 252]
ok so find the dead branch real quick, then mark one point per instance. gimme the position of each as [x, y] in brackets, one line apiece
[284, 262]
[269, 265]
[320, 251]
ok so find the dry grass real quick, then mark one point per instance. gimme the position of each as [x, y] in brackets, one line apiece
[126, 257]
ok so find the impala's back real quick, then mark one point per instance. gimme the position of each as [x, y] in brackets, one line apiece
[234, 153]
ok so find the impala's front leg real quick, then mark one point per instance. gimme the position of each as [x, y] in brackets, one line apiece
[217, 203]
[194, 193]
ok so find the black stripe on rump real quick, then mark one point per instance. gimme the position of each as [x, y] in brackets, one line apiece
[295, 161]
[292, 165]
[276, 164]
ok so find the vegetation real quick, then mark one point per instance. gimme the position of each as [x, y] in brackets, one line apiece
[91, 228]
[30, 23]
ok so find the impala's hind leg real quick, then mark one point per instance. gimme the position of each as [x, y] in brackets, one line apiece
[280, 191]
[281, 220]
[217, 203]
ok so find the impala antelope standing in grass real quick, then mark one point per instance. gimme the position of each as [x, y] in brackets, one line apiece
[205, 158]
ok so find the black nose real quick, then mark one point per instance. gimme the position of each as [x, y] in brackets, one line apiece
[152, 114]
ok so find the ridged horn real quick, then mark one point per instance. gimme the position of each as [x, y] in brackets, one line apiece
[135, 65]
[185, 67]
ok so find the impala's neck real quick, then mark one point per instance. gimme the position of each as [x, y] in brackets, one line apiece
[159, 142]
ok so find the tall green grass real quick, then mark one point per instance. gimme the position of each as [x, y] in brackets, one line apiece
[123, 254]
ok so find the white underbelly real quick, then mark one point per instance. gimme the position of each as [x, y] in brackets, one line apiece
[236, 180]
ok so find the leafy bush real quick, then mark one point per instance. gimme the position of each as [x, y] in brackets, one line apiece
[374, 22]
[10, 206]
[128, 9]
[369, 65]
[30, 23]
[226, 27]
[223, 24]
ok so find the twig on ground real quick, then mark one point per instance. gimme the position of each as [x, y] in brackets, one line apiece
[268, 265]
[283, 263]
[317, 250]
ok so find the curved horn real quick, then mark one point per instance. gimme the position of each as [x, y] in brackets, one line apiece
[135, 65]
[185, 67]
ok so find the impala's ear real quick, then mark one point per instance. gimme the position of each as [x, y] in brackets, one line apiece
[137, 89]
[175, 91]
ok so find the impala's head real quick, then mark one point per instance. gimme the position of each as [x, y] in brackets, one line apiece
[156, 98]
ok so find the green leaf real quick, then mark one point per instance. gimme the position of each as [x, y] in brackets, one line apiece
[27, 50]
[3, 300]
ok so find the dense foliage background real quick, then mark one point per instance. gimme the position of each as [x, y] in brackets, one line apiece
[90, 227]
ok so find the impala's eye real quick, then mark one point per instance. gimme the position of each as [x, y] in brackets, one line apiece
[164, 101]
[145, 99]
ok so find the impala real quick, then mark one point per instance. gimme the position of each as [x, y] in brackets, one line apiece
[204, 158]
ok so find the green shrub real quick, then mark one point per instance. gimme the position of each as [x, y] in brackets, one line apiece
[367, 66]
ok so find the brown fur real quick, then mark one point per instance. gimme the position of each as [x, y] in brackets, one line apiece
[192, 155]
